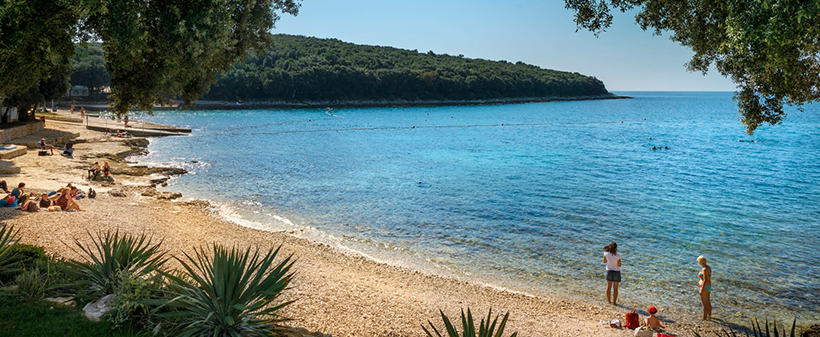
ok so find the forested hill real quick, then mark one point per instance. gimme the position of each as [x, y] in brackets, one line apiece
[302, 68]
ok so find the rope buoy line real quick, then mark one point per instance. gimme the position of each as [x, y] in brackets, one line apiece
[230, 131]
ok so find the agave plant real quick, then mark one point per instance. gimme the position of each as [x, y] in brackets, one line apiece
[485, 328]
[112, 254]
[228, 293]
[757, 331]
[8, 260]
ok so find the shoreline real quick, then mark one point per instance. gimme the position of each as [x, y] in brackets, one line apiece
[226, 105]
[341, 294]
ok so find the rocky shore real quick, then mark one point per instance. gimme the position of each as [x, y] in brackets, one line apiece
[336, 294]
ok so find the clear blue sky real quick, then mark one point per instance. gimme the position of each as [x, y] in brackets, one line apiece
[535, 32]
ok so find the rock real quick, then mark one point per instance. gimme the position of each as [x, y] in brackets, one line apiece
[117, 193]
[149, 193]
[94, 310]
[137, 142]
[301, 332]
[67, 301]
[812, 331]
[169, 195]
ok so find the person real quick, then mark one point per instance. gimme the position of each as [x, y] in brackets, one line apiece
[72, 109]
[654, 147]
[666, 148]
[705, 287]
[45, 202]
[652, 321]
[8, 201]
[17, 192]
[106, 170]
[4, 186]
[69, 151]
[613, 272]
[66, 202]
[82, 112]
[125, 120]
[43, 146]
[94, 171]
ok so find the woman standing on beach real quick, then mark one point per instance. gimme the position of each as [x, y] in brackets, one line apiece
[613, 272]
[705, 287]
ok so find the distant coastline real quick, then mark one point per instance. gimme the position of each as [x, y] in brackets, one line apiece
[223, 105]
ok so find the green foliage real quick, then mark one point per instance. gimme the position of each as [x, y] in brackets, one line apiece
[35, 319]
[112, 254]
[9, 262]
[32, 284]
[130, 292]
[229, 293]
[768, 48]
[88, 68]
[36, 41]
[305, 68]
[154, 50]
[29, 256]
[757, 331]
[485, 328]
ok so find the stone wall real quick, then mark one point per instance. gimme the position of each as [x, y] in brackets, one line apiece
[20, 131]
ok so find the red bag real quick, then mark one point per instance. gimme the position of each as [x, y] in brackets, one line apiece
[632, 320]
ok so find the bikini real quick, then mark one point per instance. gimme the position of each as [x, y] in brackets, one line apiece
[709, 287]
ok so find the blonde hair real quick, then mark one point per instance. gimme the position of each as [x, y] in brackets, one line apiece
[701, 259]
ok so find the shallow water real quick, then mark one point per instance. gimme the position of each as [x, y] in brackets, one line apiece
[529, 205]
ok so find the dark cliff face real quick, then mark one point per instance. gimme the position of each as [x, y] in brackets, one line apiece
[302, 68]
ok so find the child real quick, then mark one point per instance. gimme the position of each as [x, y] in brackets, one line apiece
[652, 321]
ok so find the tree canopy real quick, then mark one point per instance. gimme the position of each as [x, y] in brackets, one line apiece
[769, 48]
[154, 50]
[311, 69]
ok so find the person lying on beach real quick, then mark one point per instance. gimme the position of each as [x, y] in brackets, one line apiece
[94, 171]
[43, 146]
[8, 201]
[653, 322]
[66, 202]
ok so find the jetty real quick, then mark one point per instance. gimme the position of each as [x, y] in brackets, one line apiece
[97, 122]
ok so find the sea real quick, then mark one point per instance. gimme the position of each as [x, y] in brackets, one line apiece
[524, 197]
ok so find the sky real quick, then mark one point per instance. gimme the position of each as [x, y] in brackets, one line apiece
[542, 33]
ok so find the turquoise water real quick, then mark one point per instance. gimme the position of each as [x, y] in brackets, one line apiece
[530, 204]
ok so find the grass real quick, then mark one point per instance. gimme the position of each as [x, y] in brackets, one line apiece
[19, 318]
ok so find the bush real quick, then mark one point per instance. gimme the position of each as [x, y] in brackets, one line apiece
[111, 255]
[485, 329]
[130, 291]
[229, 293]
[32, 285]
[9, 263]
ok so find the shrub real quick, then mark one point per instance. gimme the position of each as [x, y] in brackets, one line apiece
[485, 328]
[32, 285]
[228, 293]
[111, 255]
[9, 263]
[129, 293]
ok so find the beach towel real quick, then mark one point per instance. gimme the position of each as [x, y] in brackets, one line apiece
[54, 209]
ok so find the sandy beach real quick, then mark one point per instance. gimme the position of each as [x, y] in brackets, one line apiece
[335, 293]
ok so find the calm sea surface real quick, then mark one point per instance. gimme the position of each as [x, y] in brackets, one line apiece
[530, 204]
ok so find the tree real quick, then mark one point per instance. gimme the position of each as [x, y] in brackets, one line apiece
[35, 45]
[769, 48]
[154, 50]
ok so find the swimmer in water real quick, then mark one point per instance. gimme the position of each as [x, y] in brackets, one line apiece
[654, 148]
[666, 148]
